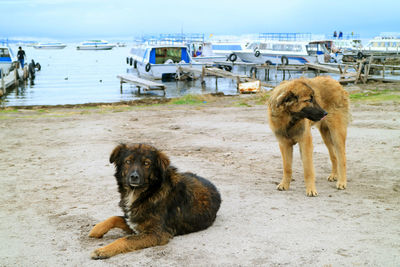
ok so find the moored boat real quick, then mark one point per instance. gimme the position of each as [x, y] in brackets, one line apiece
[288, 52]
[95, 45]
[386, 43]
[7, 58]
[160, 61]
[50, 45]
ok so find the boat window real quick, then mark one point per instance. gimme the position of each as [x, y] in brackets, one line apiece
[165, 53]
[4, 52]
[265, 46]
[230, 47]
[252, 46]
[312, 49]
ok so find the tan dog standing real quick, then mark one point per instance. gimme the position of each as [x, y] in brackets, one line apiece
[293, 107]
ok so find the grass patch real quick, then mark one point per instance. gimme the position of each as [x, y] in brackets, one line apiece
[190, 100]
[376, 96]
[8, 110]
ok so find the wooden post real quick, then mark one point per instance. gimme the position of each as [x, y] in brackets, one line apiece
[3, 87]
[16, 77]
[237, 83]
[202, 74]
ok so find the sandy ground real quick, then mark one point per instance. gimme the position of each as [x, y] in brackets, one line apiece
[56, 183]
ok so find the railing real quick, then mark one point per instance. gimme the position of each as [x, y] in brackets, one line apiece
[172, 38]
[283, 36]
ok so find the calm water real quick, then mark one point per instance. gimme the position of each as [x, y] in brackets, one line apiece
[70, 76]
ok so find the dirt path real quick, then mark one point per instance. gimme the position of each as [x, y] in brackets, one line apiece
[56, 183]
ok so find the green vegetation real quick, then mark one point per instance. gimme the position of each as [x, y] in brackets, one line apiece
[189, 100]
[376, 96]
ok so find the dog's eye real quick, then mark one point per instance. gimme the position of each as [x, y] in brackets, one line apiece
[146, 163]
[127, 161]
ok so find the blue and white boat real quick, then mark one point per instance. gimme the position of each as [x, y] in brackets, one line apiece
[7, 58]
[160, 61]
[50, 45]
[95, 45]
[287, 52]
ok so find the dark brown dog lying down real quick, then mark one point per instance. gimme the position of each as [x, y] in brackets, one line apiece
[158, 202]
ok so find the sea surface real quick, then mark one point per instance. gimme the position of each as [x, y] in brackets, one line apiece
[71, 76]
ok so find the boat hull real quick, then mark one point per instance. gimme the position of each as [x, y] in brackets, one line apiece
[49, 46]
[95, 47]
[276, 58]
[157, 71]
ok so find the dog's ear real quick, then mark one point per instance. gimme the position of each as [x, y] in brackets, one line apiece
[117, 152]
[163, 161]
[285, 97]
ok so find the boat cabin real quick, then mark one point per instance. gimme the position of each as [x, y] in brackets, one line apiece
[161, 55]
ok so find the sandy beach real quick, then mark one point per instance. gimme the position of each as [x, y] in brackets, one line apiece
[57, 183]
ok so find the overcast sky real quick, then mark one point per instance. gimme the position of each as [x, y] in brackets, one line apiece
[64, 19]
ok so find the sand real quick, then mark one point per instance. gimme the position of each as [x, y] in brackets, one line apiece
[57, 183]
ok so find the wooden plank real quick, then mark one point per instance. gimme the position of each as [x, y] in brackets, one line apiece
[150, 85]
[385, 80]
[322, 68]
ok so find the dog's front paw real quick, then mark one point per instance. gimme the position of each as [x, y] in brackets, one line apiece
[332, 177]
[98, 230]
[282, 187]
[99, 254]
[341, 185]
[311, 192]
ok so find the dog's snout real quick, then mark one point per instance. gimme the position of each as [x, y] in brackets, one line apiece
[134, 178]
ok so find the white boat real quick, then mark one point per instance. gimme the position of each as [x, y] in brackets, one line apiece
[160, 61]
[95, 45]
[8, 70]
[50, 45]
[287, 52]
[228, 50]
[386, 43]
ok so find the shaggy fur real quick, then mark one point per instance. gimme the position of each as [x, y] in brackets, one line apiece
[158, 202]
[294, 106]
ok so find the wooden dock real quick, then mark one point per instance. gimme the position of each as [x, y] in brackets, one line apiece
[147, 85]
[220, 73]
[11, 79]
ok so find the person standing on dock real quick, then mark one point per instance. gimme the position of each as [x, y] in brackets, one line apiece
[21, 56]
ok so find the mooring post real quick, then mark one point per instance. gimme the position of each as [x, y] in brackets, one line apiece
[3, 87]
[16, 77]
[203, 71]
